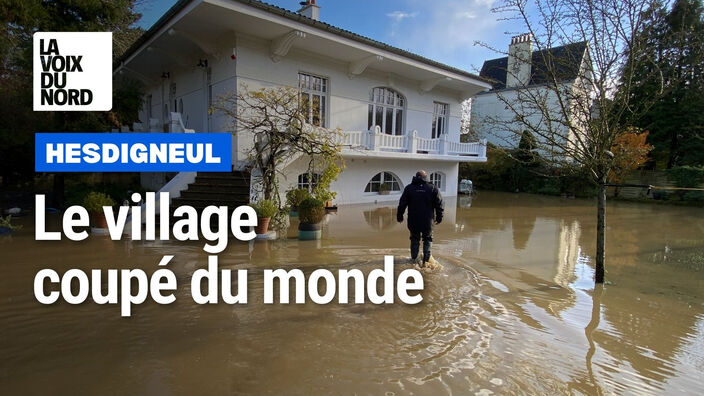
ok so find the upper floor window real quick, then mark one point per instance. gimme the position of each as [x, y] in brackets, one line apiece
[383, 178]
[314, 92]
[386, 109]
[306, 182]
[439, 119]
[437, 179]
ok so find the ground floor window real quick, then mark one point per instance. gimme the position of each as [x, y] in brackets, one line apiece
[383, 178]
[437, 179]
[304, 181]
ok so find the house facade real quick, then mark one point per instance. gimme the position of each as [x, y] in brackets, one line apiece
[521, 83]
[398, 112]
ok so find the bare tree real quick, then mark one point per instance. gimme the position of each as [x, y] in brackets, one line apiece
[276, 121]
[576, 97]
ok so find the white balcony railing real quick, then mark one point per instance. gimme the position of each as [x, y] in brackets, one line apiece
[430, 146]
[174, 124]
[374, 140]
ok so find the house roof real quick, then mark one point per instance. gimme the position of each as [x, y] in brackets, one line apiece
[566, 58]
[181, 4]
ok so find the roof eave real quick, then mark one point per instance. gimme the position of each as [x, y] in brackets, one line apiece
[182, 4]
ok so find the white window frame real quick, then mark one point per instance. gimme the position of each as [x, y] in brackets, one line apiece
[386, 178]
[305, 184]
[438, 180]
[441, 111]
[387, 99]
[312, 85]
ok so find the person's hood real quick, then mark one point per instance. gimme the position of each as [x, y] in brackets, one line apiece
[419, 180]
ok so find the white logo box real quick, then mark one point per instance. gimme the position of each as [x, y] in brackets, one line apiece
[95, 50]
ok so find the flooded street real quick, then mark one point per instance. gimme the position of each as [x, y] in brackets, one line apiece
[513, 310]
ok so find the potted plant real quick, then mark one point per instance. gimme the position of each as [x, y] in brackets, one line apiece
[6, 226]
[266, 209]
[94, 202]
[325, 196]
[384, 189]
[329, 174]
[311, 213]
[294, 197]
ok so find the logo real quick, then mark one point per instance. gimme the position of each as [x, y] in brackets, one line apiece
[133, 152]
[72, 71]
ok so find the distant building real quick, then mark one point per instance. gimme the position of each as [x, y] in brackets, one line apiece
[523, 72]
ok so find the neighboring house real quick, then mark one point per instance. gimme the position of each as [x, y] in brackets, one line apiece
[521, 79]
[400, 112]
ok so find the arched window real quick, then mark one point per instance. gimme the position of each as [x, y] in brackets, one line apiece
[438, 180]
[383, 178]
[386, 109]
[304, 182]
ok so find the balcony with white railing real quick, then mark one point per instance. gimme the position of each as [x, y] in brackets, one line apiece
[374, 142]
[174, 124]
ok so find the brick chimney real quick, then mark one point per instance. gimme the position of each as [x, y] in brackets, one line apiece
[520, 53]
[310, 9]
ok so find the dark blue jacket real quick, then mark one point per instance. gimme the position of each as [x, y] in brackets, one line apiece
[423, 200]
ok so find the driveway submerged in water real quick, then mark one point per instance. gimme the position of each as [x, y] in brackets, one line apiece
[513, 309]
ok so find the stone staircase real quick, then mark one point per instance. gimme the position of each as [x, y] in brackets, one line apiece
[215, 188]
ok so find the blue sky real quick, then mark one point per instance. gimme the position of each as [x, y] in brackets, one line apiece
[443, 30]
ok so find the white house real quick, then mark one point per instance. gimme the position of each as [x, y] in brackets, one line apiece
[399, 111]
[522, 83]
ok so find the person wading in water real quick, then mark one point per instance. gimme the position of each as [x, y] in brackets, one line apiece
[423, 201]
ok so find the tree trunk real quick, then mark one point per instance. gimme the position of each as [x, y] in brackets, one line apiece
[600, 233]
[268, 182]
[589, 333]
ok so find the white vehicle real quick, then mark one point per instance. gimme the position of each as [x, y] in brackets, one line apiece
[465, 186]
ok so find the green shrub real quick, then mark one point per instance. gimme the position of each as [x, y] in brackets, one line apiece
[686, 176]
[696, 196]
[311, 211]
[324, 195]
[295, 196]
[265, 208]
[548, 189]
[523, 170]
[7, 223]
[94, 201]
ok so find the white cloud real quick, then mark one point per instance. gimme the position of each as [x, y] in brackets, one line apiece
[398, 16]
[446, 30]
[466, 15]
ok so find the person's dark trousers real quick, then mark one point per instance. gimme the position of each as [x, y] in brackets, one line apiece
[427, 237]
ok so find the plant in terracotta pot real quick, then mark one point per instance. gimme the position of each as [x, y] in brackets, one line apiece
[266, 209]
[311, 213]
[384, 189]
[6, 226]
[294, 197]
[94, 202]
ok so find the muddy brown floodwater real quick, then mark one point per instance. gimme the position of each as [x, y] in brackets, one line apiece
[513, 310]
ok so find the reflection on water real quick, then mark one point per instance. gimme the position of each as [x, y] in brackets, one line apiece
[514, 310]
